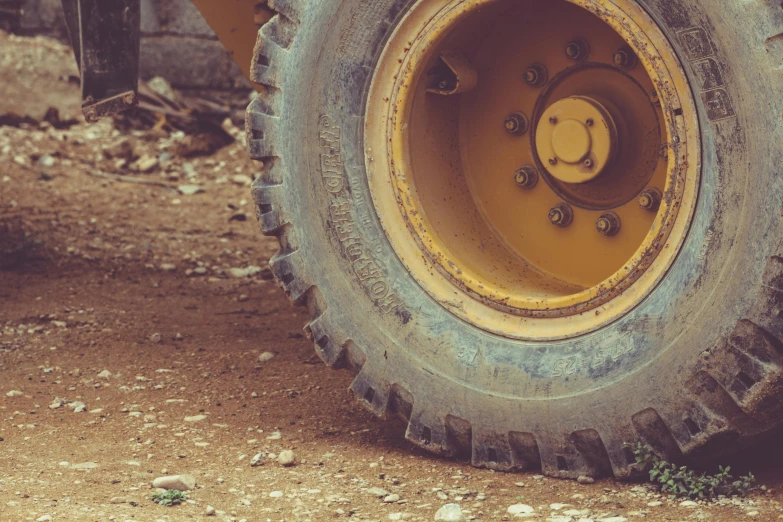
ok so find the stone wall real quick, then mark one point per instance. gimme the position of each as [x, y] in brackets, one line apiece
[176, 43]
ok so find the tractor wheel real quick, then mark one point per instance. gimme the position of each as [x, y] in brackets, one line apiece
[538, 230]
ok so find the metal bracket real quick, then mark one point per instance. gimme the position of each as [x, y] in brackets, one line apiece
[105, 36]
[454, 75]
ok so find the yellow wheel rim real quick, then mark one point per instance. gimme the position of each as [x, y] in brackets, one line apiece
[535, 164]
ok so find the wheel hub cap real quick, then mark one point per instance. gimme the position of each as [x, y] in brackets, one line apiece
[577, 138]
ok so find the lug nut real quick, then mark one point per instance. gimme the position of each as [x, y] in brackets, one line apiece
[516, 124]
[526, 176]
[589, 122]
[625, 58]
[553, 161]
[650, 199]
[577, 50]
[561, 215]
[553, 120]
[536, 75]
[608, 224]
[589, 163]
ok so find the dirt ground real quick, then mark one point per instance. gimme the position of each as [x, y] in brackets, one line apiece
[132, 318]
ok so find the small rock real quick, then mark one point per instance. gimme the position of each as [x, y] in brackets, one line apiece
[258, 460]
[195, 418]
[14, 393]
[78, 406]
[44, 518]
[614, 519]
[46, 161]
[286, 458]
[58, 402]
[558, 507]
[520, 509]
[147, 163]
[119, 500]
[156, 338]
[123, 148]
[243, 298]
[243, 272]
[105, 374]
[84, 465]
[210, 511]
[450, 513]
[189, 190]
[584, 479]
[655, 503]
[266, 357]
[391, 498]
[179, 482]
[168, 267]
[688, 504]
[378, 492]
[276, 494]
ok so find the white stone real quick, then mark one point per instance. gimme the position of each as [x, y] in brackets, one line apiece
[655, 503]
[286, 458]
[688, 504]
[189, 190]
[85, 465]
[450, 513]
[378, 492]
[195, 418]
[258, 460]
[391, 498]
[266, 357]
[178, 482]
[14, 393]
[44, 518]
[105, 374]
[276, 494]
[520, 509]
[558, 507]
[210, 511]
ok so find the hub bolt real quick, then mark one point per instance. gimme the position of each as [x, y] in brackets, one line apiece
[553, 161]
[526, 177]
[517, 124]
[589, 163]
[577, 50]
[553, 120]
[650, 199]
[561, 215]
[589, 122]
[625, 58]
[608, 224]
[536, 75]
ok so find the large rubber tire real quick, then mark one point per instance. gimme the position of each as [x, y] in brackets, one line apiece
[695, 370]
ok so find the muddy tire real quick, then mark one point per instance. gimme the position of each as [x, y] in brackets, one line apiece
[695, 370]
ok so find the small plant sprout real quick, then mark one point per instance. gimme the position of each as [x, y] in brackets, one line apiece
[682, 482]
[171, 497]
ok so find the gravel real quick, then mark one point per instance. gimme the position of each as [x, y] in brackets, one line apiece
[450, 513]
[266, 357]
[286, 458]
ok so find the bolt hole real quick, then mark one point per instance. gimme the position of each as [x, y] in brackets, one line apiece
[322, 342]
[693, 428]
[369, 395]
[562, 465]
[287, 278]
[746, 380]
[426, 435]
[492, 455]
[678, 112]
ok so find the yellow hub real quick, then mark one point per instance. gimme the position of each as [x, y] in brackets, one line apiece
[577, 136]
[535, 193]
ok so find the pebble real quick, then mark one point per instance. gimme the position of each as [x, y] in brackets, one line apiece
[391, 498]
[58, 402]
[147, 163]
[258, 460]
[195, 418]
[45, 518]
[243, 272]
[105, 374]
[14, 393]
[85, 465]
[210, 511]
[275, 436]
[119, 500]
[655, 503]
[156, 338]
[78, 406]
[378, 492]
[276, 494]
[520, 509]
[614, 519]
[168, 267]
[189, 190]
[584, 479]
[286, 458]
[688, 504]
[180, 482]
[450, 513]
[46, 161]
[558, 507]
[266, 357]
